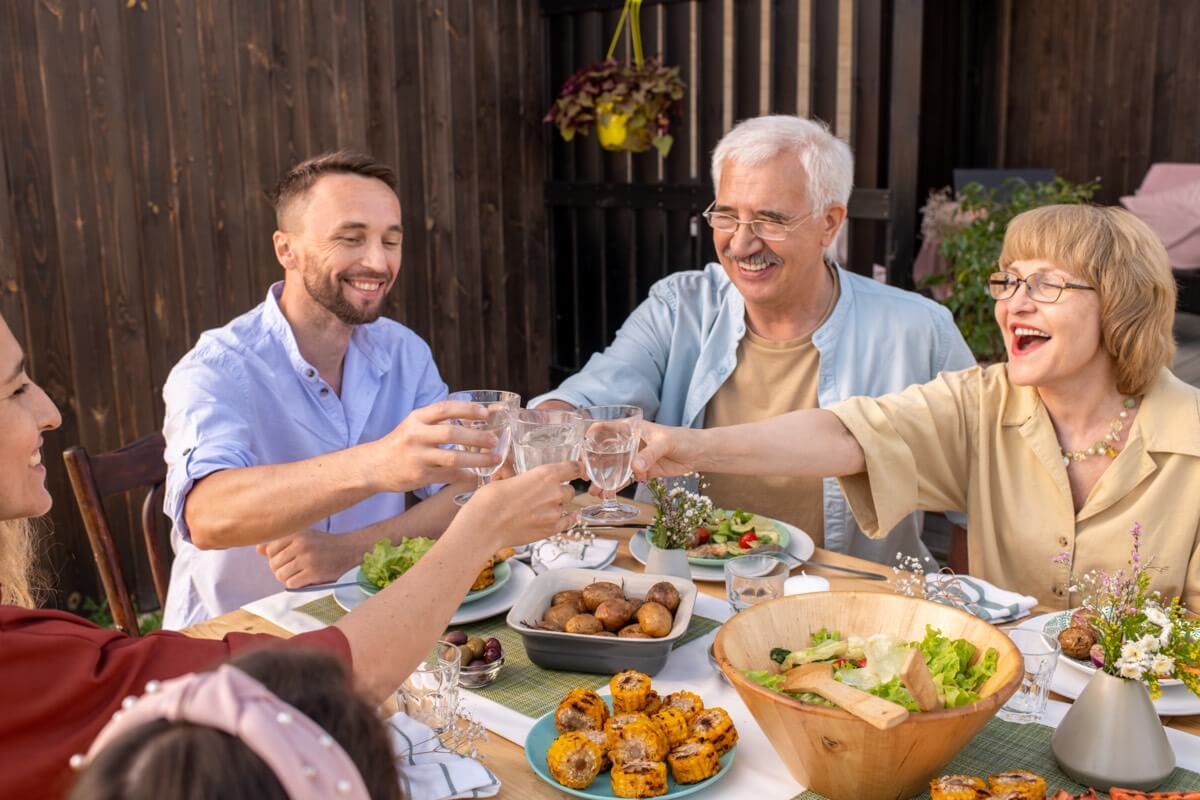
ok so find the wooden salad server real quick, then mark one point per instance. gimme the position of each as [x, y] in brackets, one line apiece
[916, 678]
[818, 678]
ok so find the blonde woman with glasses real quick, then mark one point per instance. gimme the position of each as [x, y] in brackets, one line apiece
[1054, 455]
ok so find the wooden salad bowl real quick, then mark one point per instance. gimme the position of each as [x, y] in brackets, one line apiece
[830, 751]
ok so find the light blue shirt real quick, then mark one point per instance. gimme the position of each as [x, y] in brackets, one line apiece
[678, 347]
[245, 396]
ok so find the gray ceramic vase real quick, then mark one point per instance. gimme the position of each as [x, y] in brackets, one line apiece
[673, 562]
[1111, 736]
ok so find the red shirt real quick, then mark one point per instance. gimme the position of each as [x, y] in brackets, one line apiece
[61, 679]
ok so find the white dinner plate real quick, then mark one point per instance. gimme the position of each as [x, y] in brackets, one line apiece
[801, 546]
[1175, 701]
[350, 597]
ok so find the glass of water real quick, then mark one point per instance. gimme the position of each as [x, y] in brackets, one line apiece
[545, 437]
[610, 440]
[750, 580]
[1040, 653]
[499, 405]
[430, 693]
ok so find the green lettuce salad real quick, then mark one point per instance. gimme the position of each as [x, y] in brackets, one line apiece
[873, 665]
[387, 561]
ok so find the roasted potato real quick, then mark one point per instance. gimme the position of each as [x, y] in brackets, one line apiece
[655, 620]
[583, 623]
[665, 594]
[560, 614]
[633, 631]
[596, 593]
[570, 596]
[614, 613]
[604, 633]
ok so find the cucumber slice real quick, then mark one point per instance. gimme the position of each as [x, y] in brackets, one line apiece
[742, 527]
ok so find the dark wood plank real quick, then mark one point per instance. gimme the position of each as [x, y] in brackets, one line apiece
[11, 308]
[316, 54]
[347, 30]
[868, 106]
[784, 43]
[747, 55]
[289, 83]
[904, 131]
[710, 86]
[823, 84]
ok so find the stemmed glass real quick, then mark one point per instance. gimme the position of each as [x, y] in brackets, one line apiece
[545, 437]
[499, 406]
[610, 441]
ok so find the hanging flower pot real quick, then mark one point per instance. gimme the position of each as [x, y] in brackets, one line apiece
[630, 104]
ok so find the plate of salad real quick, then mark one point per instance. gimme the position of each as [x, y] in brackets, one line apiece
[734, 533]
[789, 537]
[873, 664]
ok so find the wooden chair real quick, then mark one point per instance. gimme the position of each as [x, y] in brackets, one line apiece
[93, 478]
[957, 559]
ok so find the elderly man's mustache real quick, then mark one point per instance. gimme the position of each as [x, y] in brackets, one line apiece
[764, 259]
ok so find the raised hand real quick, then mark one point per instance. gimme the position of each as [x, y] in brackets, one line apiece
[666, 452]
[526, 507]
[423, 450]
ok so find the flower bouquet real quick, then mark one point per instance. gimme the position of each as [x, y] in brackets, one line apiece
[677, 514]
[1131, 632]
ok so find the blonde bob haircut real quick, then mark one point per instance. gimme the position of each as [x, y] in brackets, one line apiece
[1115, 252]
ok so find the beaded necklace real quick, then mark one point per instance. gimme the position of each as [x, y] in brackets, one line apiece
[1105, 446]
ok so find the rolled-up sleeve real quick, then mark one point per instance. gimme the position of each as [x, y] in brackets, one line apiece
[206, 428]
[430, 389]
[917, 445]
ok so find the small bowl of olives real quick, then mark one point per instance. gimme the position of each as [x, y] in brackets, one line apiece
[480, 660]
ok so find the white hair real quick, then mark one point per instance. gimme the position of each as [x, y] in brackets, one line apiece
[826, 159]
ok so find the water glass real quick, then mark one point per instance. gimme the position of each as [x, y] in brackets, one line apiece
[545, 437]
[499, 405]
[430, 693]
[1041, 657]
[754, 579]
[610, 440]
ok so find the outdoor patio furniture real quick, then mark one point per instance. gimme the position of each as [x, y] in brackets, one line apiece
[1169, 202]
[93, 478]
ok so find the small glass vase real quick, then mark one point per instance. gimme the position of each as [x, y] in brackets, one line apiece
[673, 562]
[1112, 736]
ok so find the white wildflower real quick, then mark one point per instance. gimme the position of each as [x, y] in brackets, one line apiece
[1127, 668]
[1133, 651]
[1149, 643]
[1163, 665]
[1157, 617]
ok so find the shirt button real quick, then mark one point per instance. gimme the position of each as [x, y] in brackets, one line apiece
[310, 372]
[1062, 541]
[324, 391]
[722, 371]
[1058, 592]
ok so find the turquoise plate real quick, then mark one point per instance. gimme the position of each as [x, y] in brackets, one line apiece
[503, 573]
[785, 539]
[543, 734]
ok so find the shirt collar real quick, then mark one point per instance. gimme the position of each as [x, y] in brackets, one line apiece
[1168, 421]
[364, 337]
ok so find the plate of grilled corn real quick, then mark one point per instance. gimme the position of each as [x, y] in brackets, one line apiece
[649, 746]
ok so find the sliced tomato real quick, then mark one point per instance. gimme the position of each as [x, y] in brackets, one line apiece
[702, 535]
[748, 540]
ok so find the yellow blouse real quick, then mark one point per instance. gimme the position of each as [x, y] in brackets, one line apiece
[971, 441]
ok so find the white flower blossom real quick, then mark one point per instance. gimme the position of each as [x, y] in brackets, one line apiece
[1149, 643]
[1133, 651]
[1157, 617]
[1129, 669]
[1163, 665]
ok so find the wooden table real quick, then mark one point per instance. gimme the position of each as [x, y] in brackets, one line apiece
[506, 759]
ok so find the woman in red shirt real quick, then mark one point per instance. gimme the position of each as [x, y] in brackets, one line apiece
[61, 677]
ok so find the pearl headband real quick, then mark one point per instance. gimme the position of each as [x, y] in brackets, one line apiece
[305, 759]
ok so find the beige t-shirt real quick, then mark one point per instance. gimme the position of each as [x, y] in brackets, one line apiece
[971, 441]
[771, 378]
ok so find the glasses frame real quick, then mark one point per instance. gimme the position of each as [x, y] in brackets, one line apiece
[708, 215]
[1037, 286]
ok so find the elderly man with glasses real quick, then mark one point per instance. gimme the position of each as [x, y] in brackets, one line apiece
[775, 327]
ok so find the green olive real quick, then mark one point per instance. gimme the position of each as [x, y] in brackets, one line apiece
[476, 646]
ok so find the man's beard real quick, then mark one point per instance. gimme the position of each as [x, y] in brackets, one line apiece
[334, 301]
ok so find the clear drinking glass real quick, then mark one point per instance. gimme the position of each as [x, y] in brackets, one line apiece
[754, 579]
[545, 437]
[610, 441]
[1041, 657]
[499, 405]
[430, 693]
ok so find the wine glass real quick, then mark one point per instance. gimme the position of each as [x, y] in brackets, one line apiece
[545, 436]
[499, 406]
[610, 440]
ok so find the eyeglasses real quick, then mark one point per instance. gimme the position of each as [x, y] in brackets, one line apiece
[765, 229]
[1041, 289]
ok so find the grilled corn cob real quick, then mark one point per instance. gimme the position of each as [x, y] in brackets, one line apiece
[693, 762]
[581, 710]
[1030, 786]
[674, 725]
[640, 779]
[630, 691]
[616, 724]
[653, 704]
[574, 760]
[601, 740]
[714, 726]
[640, 740]
[690, 704]
[957, 787]
[486, 578]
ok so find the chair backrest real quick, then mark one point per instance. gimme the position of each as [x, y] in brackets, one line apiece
[995, 178]
[94, 477]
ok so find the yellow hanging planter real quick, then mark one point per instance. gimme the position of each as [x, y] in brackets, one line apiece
[603, 94]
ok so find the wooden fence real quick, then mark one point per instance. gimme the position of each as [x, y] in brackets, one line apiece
[135, 146]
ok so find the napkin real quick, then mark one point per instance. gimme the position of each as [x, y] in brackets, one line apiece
[984, 600]
[431, 772]
[546, 555]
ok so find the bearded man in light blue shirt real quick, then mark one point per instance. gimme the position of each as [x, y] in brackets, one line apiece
[782, 188]
[294, 432]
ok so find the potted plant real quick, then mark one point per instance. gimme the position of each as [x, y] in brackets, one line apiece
[1112, 736]
[677, 514]
[973, 235]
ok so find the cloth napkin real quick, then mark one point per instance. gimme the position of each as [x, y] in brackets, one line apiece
[984, 600]
[431, 772]
[546, 555]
